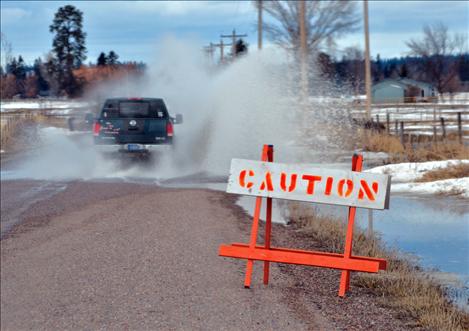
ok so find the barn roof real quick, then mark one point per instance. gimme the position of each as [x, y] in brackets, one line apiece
[403, 83]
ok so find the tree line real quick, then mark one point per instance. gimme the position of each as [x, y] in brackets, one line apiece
[437, 57]
[62, 72]
[349, 71]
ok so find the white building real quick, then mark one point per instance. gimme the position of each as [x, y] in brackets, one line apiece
[401, 90]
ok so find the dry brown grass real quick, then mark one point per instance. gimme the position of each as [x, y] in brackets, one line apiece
[13, 128]
[454, 171]
[403, 286]
[47, 120]
[381, 142]
[375, 142]
[10, 126]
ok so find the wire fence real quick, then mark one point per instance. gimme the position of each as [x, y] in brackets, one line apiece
[437, 121]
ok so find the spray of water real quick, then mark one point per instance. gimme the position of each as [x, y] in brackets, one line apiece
[229, 112]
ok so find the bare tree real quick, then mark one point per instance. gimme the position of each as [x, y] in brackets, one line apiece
[355, 68]
[31, 86]
[7, 87]
[6, 50]
[436, 46]
[325, 20]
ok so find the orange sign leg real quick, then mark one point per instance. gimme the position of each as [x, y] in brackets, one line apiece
[357, 162]
[268, 221]
[254, 228]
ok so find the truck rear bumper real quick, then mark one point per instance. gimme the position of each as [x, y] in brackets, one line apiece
[130, 148]
[132, 139]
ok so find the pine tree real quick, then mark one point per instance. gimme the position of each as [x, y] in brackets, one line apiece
[378, 75]
[12, 66]
[20, 75]
[464, 68]
[68, 45]
[102, 60]
[38, 69]
[112, 58]
[325, 65]
[403, 71]
[20, 69]
[17, 69]
[50, 72]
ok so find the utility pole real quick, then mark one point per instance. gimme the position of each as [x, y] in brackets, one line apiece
[368, 91]
[303, 48]
[222, 49]
[259, 24]
[209, 50]
[302, 20]
[233, 37]
[367, 61]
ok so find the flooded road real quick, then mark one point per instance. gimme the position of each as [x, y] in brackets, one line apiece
[435, 229]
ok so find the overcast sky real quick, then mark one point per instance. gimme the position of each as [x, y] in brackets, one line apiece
[132, 29]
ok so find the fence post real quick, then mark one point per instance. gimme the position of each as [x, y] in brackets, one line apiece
[396, 128]
[388, 122]
[443, 128]
[370, 223]
[435, 136]
[402, 133]
[460, 128]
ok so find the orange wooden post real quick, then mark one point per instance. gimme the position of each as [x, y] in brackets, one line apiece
[255, 227]
[268, 221]
[357, 162]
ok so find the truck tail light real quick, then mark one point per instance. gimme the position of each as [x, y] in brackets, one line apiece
[169, 129]
[96, 128]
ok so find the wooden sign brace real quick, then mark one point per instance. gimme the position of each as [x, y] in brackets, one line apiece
[252, 251]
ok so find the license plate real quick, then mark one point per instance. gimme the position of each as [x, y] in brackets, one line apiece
[134, 147]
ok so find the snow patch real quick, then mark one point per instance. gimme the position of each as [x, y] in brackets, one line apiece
[454, 186]
[6, 106]
[411, 171]
[404, 175]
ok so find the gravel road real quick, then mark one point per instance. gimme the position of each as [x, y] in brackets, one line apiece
[128, 256]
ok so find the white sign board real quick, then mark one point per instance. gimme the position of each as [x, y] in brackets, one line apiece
[307, 183]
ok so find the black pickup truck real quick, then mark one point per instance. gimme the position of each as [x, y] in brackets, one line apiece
[134, 124]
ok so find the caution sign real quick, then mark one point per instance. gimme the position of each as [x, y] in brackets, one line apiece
[269, 180]
[307, 183]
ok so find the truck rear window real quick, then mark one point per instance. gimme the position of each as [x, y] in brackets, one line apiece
[134, 109]
[131, 108]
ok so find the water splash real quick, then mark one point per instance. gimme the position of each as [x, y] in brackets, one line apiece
[229, 112]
